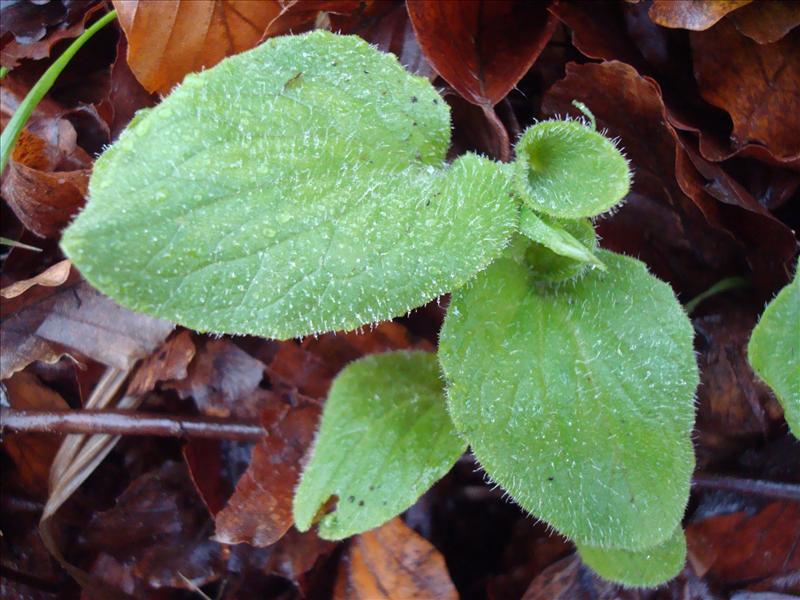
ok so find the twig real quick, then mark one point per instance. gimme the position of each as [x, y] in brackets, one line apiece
[750, 487]
[121, 422]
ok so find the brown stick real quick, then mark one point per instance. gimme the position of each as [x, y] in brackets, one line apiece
[750, 487]
[120, 422]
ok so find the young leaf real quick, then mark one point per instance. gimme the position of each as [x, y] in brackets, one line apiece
[577, 398]
[385, 438]
[562, 249]
[568, 170]
[295, 188]
[774, 350]
[640, 568]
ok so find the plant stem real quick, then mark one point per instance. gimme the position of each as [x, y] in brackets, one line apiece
[121, 422]
[10, 134]
[750, 487]
[729, 283]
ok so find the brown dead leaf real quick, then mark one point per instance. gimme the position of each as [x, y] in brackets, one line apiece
[169, 362]
[220, 376]
[38, 324]
[260, 510]
[742, 547]
[482, 48]
[167, 40]
[32, 453]
[50, 277]
[758, 86]
[696, 15]
[392, 561]
[767, 22]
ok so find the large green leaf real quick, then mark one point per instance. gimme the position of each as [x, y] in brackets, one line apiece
[385, 438]
[568, 170]
[774, 350]
[577, 398]
[641, 568]
[295, 188]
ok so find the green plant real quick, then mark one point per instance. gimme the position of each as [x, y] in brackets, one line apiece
[301, 187]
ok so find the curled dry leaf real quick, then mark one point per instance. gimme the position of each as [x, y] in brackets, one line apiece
[50, 277]
[38, 324]
[696, 15]
[767, 22]
[260, 510]
[759, 82]
[169, 362]
[167, 40]
[482, 48]
[393, 561]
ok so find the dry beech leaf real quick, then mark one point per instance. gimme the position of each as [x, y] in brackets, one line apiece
[767, 22]
[393, 561]
[482, 48]
[167, 40]
[169, 362]
[758, 86]
[50, 277]
[696, 15]
[260, 510]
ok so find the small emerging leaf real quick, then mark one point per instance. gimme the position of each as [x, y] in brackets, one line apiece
[385, 438]
[639, 568]
[296, 188]
[577, 399]
[568, 170]
[774, 350]
[562, 249]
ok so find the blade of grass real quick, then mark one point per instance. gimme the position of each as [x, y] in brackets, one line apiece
[10, 134]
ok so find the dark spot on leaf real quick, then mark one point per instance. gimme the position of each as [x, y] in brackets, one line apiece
[361, 503]
[413, 99]
[350, 498]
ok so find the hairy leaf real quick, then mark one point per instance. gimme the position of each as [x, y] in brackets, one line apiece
[385, 438]
[577, 398]
[566, 169]
[641, 568]
[774, 350]
[562, 249]
[296, 188]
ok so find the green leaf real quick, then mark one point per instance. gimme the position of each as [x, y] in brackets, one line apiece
[577, 398]
[639, 568]
[568, 170]
[296, 188]
[385, 438]
[562, 249]
[774, 350]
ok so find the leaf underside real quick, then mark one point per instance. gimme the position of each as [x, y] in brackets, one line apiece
[577, 398]
[385, 438]
[292, 189]
[774, 350]
[638, 568]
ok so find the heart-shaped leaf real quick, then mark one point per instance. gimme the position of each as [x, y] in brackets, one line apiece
[640, 568]
[385, 438]
[568, 170]
[577, 398]
[292, 189]
[774, 350]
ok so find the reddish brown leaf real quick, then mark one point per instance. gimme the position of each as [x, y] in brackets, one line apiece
[393, 561]
[36, 28]
[759, 82]
[169, 362]
[477, 129]
[482, 48]
[745, 547]
[767, 22]
[221, 375]
[50, 277]
[167, 40]
[32, 453]
[37, 324]
[696, 15]
[260, 510]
